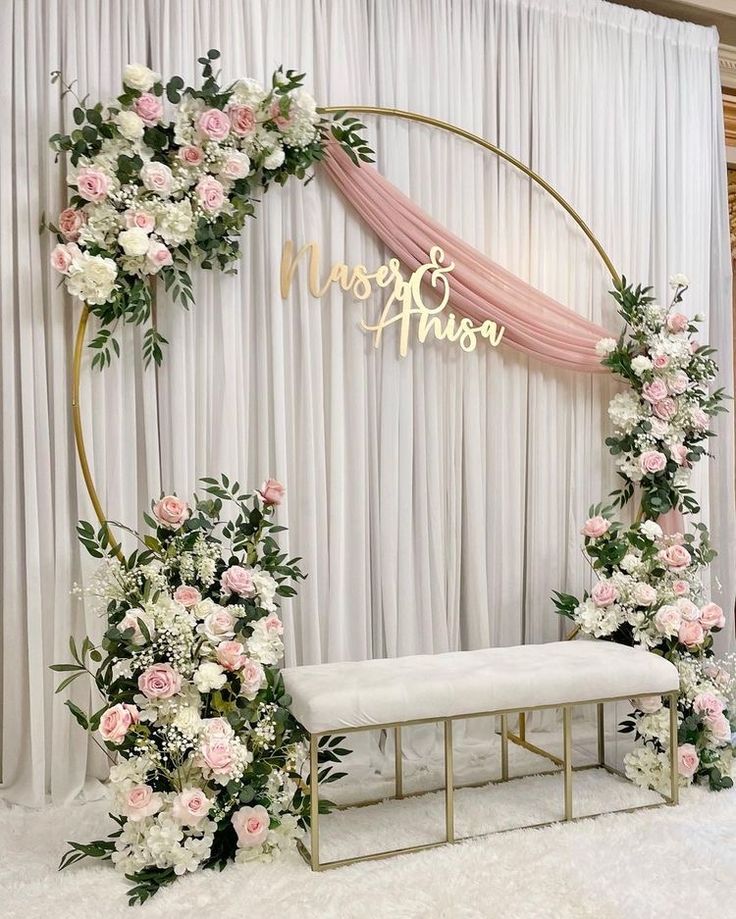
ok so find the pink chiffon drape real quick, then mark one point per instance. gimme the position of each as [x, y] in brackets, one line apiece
[535, 324]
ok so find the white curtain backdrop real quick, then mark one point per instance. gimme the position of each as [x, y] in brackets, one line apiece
[437, 500]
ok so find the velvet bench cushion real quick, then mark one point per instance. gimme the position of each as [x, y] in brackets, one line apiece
[353, 694]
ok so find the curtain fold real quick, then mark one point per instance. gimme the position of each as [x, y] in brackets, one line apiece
[436, 499]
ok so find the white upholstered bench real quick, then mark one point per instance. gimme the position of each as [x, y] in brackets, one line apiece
[393, 693]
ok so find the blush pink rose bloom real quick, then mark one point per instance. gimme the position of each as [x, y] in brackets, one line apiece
[157, 177]
[665, 409]
[595, 527]
[139, 220]
[219, 625]
[688, 610]
[654, 391]
[680, 588]
[690, 634]
[282, 121]
[236, 166]
[675, 557]
[242, 120]
[231, 655]
[92, 184]
[117, 721]
[190, 806]
[648, 704]
[678, 382]
[645, 595]
[251, 678]
[272, 492]
[218, 754]
[677, 322]
[652, 461]
[687, 760]
[667, 620]
[712, 617]
[238, 580]
[191, 155]
[273, 625]
[251, 826]
[159, 681]
[210, 193]
[604, 593]
[62, 257]
[158, 256]
[679, 454]
[187, 595]
[720, 727]
[213, 124]
[141, 802]
[699, 419]
[171, 512]
[217, 727]
[71, 222]
[705, 703]
[660, 361]
[149, 109]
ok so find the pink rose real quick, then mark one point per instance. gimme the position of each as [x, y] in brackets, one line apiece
[667, 620]
[218, 625]
[231, 655]
[139, 220]
[691, 634]
[159, 681]
[190, 806]
[711, 616]
[688, 610]
[217, 728]
[62, 257]
[705, 703]
[595, 527]
[251, 826]
[665, 409]
[687, 760]
[213, 124]
[660, 361]
[171, 512]
[141, 802]
[604, 593]
[116, 722]
[242, 120]
[158, 178]
[273, 625]
[218, 754]
[131, 621]
[680, 588]
[210, 193]
[654, 391]
[720, 727]
[92, 184]
[677, 322]
[282, 121]
[679, 454]
[238, 580]
[675, 557]
[678, 382]
[645, 595]
[251, 678]
[648, 704]
[699, 419]
[149, 109]
[71, 222]
[191, 155]
[187, 595]
[272, 492]
[652, 461]
[236, 166]
[158, 256]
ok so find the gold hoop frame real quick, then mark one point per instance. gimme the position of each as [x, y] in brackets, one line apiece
[330, 109]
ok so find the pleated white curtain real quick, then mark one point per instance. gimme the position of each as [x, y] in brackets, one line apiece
[436, 499]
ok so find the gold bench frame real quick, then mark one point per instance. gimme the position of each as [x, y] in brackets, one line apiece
[311, 854]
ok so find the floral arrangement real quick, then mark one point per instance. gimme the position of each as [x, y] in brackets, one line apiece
[648, 590]
[153, 193]
[207, 759]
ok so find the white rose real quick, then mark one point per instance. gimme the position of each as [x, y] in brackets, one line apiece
[235, 166]
[92, 278]
[209, 676]
[641, 364]
[188, 720]
[605, 346]
[275, 159]
[651, 529]
[130, 125]
[134, 241]
[157, 177]
[139, 77]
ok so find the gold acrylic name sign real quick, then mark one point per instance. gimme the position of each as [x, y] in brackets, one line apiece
[405, 303]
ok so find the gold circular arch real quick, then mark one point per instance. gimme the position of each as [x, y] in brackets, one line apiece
[330, 109]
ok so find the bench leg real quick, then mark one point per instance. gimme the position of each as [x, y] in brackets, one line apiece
[601, 735]
[674, 774]
[398, 770]
[313, 802]
[567, 758]
[504, 748]
[449, 783]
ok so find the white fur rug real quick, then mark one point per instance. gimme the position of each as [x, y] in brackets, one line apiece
[667, 862]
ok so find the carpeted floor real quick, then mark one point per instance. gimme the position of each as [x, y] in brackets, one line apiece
[668, 862]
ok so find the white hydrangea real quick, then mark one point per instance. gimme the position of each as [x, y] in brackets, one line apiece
[597, 621]
[92, 278]
[625, 411]
[264, 646]
[175, 222]
[648, 769]
[605, 346]
[265, 586]
[651, 529]
[654, 725]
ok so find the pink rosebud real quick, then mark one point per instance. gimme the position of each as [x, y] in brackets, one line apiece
[139, 220]
[681, 588]
[171, 512]
[62, 257]
[158, 256]
[71, 222]
[213, 124]
[149, 109]
[595, 527]
[187, 595]
[190, 155]
[660, 361]
[687, 760]
[251, 826]
[272, 492]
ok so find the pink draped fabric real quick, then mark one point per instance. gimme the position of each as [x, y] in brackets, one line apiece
[535, 324]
